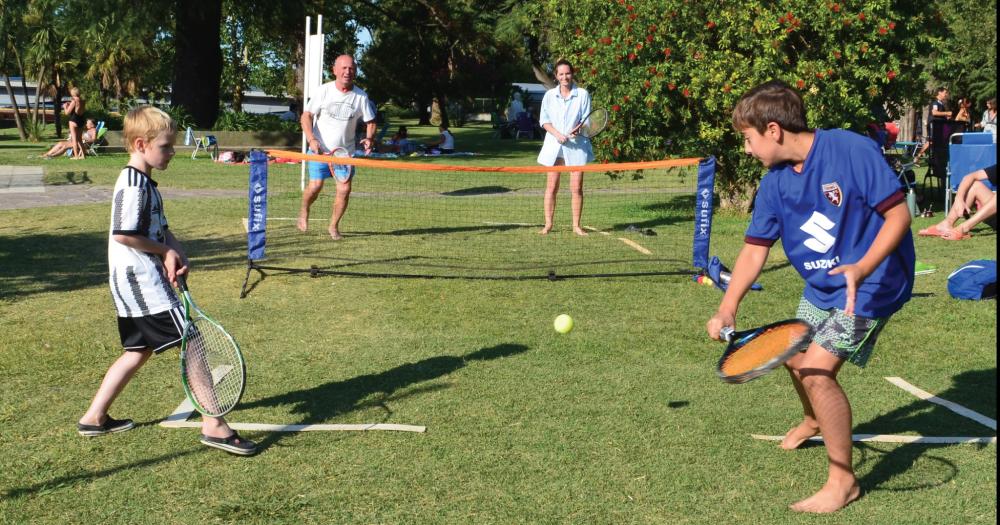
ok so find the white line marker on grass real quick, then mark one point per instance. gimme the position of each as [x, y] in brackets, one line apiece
[896, 438]
[954, 407]
[634, 245]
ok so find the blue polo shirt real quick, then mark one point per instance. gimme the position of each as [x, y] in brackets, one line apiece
[829, 215]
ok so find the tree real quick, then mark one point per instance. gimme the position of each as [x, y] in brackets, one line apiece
[965, 59]
[197, 59]
[672, 70]
[432, 50]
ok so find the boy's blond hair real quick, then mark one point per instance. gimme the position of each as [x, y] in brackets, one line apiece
[147, 122]
[773, 101]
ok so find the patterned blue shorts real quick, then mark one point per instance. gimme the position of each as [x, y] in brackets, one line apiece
[849, 337]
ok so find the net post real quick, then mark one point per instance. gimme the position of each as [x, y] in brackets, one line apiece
[703, 212]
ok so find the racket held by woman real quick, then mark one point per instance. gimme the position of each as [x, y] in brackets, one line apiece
[753, 353]
[591, 125]
[212, 368]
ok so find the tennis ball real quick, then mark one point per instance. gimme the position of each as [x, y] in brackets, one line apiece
[563, 323]
[707, 282]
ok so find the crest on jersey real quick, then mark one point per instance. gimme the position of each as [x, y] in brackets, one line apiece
[832, 193]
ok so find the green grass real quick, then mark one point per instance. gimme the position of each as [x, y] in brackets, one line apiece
[620, 421]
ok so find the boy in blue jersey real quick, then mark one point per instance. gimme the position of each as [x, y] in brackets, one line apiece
[842, 218]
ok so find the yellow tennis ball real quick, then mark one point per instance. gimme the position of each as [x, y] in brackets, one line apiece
[563, 323]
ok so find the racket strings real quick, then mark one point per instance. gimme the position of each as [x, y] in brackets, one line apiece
[594, 124]
[212, 367]
[763, 348]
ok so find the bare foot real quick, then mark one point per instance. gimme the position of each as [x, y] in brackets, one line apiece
[579, 231]
[798, 435]
[303, 223]
[830, 498]
[545, 230]
[335, 235]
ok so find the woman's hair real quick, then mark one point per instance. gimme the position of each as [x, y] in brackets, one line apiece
[562, 62]
[74, 92]
[773, 101]
[147, 122]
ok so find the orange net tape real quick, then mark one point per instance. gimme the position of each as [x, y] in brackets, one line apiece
[415, 166]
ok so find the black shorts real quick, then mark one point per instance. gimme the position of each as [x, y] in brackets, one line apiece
[157, 332]
[78, 120]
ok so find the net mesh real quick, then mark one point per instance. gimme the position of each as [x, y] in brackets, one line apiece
[760, 350]
[474, 221]
[213, 370]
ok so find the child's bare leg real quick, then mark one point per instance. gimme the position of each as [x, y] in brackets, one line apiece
[809, 427]
[308, 198]
[551, 190]
[117, 376]
[818, 372]
[576, 192]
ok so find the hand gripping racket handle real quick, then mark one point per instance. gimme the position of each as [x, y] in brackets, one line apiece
[727, 333]
[182, 283]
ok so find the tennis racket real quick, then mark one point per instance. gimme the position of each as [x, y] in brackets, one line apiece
[592, 125]
[341, 172]
[753, 353]
[212, 369]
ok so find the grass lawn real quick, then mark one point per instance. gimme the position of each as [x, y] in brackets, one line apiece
[621, 420]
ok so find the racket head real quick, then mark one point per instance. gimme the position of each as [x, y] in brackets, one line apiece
[341, 172]
[753, 353]
[213, 371]
[594, 123]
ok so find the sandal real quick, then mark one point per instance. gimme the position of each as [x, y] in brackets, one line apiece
[233, 444]
[109, 426]
[932, 231]
[954, 235]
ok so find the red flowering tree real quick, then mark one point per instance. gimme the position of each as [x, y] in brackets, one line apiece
[671, 71]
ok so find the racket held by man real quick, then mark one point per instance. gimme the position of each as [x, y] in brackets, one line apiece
[212, 368]
[591, 125]
[753, 353]
[341, 172]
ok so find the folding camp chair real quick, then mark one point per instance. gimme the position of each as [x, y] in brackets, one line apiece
[967, 152]
[98, 139]
[524, 126]
[206, 143]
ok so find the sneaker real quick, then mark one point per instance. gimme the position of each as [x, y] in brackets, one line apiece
[109, 426]
[233, 444]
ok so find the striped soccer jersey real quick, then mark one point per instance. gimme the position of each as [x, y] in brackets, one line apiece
[137, 279]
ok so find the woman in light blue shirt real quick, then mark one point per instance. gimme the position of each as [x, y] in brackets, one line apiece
[563, 109]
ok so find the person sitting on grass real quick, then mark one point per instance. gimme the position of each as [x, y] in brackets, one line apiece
[89, 136]
[145, 259]
[445, 143]
[841, 217]
[972, 193]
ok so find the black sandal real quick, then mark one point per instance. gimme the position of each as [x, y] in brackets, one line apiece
[233, 444]
[109, 426]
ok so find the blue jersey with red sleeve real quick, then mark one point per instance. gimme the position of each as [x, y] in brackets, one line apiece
[829, 215]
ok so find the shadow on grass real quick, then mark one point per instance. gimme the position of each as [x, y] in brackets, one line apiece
[50, 262]
[64, 482]
[329, 400]
[973, 389]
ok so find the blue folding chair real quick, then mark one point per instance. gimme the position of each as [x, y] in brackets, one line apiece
[967, 152]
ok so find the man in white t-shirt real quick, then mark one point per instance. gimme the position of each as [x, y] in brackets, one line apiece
[328, 121]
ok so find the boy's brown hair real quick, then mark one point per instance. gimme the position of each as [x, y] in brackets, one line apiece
[773, 101]
[146, 122]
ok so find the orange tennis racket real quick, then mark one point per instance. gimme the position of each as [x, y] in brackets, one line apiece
[753, 353]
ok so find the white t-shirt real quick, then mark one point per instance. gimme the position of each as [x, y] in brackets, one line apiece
[336, 114]
[449, 140]
[138, 281]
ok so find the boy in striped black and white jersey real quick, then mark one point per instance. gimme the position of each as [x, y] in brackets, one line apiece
[144, 260]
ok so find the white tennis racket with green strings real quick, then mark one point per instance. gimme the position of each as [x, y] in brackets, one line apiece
[212, 368]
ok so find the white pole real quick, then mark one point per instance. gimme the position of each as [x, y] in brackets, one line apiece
[312, 76]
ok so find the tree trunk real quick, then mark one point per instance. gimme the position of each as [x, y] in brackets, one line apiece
[198, 59]
[17, 110]
[57, 101]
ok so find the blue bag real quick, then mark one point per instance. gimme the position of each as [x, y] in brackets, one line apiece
[974, 280]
